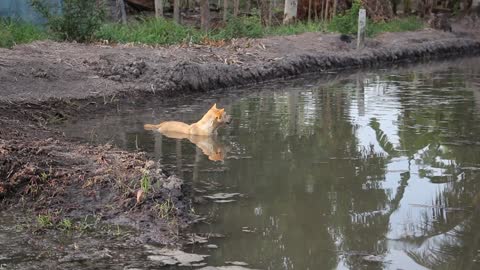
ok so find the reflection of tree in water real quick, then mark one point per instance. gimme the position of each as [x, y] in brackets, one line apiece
[438, 131]
[345, 179]
[331, 174]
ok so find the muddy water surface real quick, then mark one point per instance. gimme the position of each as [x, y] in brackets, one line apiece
[375, 170]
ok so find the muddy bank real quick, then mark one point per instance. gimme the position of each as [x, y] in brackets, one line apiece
[51, 176]
[66, 71]
[46, 82]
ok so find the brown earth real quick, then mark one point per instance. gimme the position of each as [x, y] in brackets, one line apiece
[46, 82]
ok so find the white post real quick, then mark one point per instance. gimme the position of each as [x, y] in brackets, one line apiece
[362, 23]
[290, 11]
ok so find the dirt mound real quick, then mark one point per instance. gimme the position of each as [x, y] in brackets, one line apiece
[54, 175]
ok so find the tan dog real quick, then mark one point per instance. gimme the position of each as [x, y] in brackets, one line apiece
[207, 126]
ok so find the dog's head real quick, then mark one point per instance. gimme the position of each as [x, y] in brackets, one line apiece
[220, 117]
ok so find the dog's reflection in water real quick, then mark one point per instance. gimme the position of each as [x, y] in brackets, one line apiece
[209, 145]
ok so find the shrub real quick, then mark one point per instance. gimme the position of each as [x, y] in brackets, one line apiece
[6, 38]
[78, 19]
[347, 23]
[14, 32]
[241, 27]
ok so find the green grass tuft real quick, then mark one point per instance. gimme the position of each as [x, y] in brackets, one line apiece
[240, 27]
[396, 25]
[149, 31]
[145, 183]
[13, 32]
[45, 221]
[66, 224]
[296, 28]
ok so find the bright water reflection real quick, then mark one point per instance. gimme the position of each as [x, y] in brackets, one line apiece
[384, 163]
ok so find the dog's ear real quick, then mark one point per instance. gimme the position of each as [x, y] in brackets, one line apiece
[221, 111]
[214, 107]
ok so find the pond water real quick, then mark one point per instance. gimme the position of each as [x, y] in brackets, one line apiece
[383, 163]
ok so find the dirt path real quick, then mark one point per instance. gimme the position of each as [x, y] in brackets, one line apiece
[45, 82]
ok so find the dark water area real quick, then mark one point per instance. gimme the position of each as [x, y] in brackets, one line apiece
[372, 170]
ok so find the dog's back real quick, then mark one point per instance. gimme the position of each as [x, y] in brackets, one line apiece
[169, 126]
[206, 126]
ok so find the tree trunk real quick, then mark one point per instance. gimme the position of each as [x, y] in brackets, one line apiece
[123, 12]
[394, 6]
[225, 10]
[309, 10]
[236, 4]
[326, 10]
[264, 12]
[270, 12]
[334, 11]
[176, 11]
[204, 15]
[158, 8]
[248, 5]
[321, 11]
[407, 7]
[290, 11]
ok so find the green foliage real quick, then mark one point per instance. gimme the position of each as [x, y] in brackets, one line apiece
[348, 22]
[14, 32]
[145, 183]
[45, 221]
[83, 21]
[296, 28]
[396, 25]
[148, 31]
[44, 176]
[240, 27]
[79, 19]
[66, 224]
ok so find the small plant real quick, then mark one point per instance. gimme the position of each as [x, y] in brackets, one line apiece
[45, 221]
[165, 208]
[66, 224]
[145, 183]
[44, 176]
[74, 20]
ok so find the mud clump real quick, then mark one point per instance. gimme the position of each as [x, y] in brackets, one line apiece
[121, 71]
